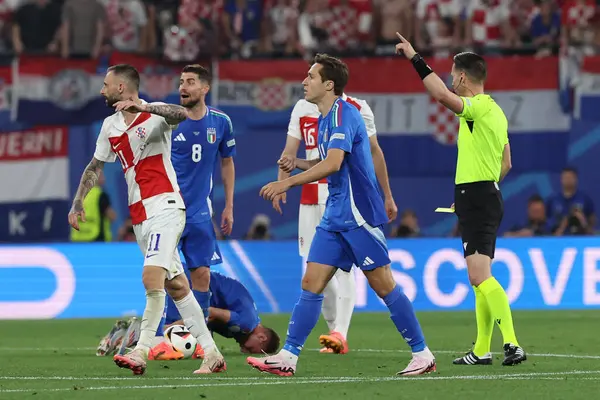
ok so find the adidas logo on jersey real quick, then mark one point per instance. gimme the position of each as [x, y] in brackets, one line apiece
[215, 257]
[368, 261]
[180, 138]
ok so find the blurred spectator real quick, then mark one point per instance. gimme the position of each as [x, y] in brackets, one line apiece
[259, 228]
[83, 28]
[311, 27]
[197, 31]
[126, 233]
[242, 26]
[36, 27]
[281, 28]
[162, 14]
[488, 26]
[127, 21]
[342, 27]
[392, 16]
[545, 29]
[536, 224]
[442, 43]
[576, 28]
[98, 216]
[409, 225]
[7, 7]
[521, 13]
[571, 211]
[366, 33]
[437, 25]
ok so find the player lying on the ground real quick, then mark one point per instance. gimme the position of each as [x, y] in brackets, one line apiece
[232, 314]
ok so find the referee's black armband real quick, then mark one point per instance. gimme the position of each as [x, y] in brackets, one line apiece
[421, 66]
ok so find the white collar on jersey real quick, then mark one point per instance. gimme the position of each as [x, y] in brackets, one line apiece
[344, 97]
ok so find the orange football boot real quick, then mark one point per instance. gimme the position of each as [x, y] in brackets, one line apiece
[334, 341]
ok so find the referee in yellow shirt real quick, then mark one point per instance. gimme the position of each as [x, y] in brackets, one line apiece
[483, 161]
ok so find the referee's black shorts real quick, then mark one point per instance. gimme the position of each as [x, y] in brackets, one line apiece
[479, 208]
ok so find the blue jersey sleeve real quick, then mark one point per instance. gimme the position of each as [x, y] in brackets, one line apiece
[343, 129]
[227, 146]
[244, 321]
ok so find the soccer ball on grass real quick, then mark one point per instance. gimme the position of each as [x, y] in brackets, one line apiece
[181, 339]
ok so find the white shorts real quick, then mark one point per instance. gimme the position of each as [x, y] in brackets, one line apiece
[158, 238]
[309, 217]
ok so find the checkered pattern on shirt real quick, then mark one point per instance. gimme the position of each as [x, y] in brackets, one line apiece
[487, 21]
[341, 27]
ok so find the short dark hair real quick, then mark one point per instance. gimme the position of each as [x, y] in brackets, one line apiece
[202, 72]
[535, 198]
[272, 343]
[333, 69]
[471, 64]
[128, 72]
[572, 170]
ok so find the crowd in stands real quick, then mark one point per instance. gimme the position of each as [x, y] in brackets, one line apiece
[186, 30]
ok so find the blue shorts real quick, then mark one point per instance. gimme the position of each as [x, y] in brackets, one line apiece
[199, 246]
[364, 247]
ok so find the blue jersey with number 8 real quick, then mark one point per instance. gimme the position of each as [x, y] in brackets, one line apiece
[195, 144]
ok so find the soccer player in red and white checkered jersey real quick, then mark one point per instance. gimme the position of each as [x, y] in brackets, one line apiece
[139, 135]
[340, 293]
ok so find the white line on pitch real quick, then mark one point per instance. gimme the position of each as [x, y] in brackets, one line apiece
[254, 381]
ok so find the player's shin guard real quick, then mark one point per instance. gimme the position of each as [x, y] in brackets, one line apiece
[304, 318]
[500, 308]
[330, 303]
[155, 306]
[346, 300]
[485, 324]
[403, 316]
[193, 318]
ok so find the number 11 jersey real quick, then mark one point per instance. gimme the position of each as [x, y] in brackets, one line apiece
[195, 146]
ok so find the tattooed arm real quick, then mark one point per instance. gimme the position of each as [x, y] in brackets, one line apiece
[172, 113]
[89, 178]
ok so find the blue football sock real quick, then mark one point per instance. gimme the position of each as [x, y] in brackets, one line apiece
[161, 326]
[304, 318]
[204, 301]
[403, 316]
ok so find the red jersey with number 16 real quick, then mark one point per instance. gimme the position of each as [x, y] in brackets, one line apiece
[144, 150]
[304, 126]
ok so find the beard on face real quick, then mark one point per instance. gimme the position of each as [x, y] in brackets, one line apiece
[111, 100]
[188, 102]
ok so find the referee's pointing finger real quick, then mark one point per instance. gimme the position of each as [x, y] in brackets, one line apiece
[401, 37]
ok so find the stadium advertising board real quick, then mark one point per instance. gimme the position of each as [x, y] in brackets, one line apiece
[86, 280]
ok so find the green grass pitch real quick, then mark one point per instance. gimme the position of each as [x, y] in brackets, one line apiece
[55, 359]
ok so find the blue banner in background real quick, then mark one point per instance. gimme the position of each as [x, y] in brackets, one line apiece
[104, 280]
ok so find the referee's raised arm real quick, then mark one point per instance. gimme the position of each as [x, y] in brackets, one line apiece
[483, 160]
[434, 85]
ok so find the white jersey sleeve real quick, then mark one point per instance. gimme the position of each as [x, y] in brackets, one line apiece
[368, 117]
[104, 151]
[294, 125]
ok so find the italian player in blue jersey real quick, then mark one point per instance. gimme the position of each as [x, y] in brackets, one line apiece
[351, 229]
[197, 142]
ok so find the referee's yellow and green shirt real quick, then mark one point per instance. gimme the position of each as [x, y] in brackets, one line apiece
[482, 136]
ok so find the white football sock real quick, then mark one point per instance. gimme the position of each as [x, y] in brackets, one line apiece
[193, 318]
[345, 300]
[330, 302]
[155, 305]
